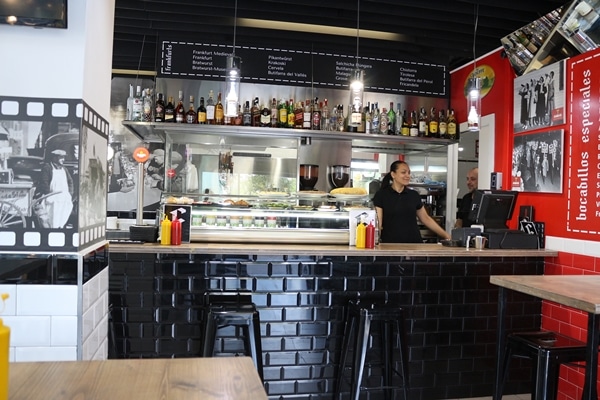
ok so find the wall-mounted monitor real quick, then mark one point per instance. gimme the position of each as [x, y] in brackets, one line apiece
[493, 208]
[35, 13]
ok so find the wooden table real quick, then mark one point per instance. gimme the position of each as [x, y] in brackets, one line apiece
[577, 291]
[223, 378]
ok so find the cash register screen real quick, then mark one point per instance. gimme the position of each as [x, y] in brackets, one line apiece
[493, 208]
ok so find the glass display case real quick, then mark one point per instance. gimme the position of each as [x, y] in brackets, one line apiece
[274, 217]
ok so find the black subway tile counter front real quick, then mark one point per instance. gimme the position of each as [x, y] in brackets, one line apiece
[157, 294]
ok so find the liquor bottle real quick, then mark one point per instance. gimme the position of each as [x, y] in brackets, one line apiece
[316, 115]
[201, 112]
[307, 116]
[137, 105]
[414, 124]
[340, 118]
[452, 131]
[433, 124]
[299, 115]
[399, 121]
[238, 118]
[219, 111]
[210, 108]
[325, 116]
[391, 120]
[368, 118]
[159, 109]
[274, 113]
[423, 131]
[375, 119]
[443, 125]
[191, 115]
[147, 106]
[405, 125]
[247, 116]
[282, 110]
[265, 116]
[170, 111]
[255, 112]
[128, 116]
[383, 122]
[291, 115]
[180, 109]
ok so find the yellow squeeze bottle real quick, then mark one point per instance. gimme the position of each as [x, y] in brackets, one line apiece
[165, 231]
[4, 341]
[361, 233]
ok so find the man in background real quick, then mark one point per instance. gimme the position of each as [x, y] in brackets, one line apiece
[462, 217]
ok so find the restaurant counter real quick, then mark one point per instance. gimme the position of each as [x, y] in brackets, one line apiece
[157, 295]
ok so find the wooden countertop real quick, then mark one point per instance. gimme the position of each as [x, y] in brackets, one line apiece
[424, 250]
[223, 378]
[578, 291]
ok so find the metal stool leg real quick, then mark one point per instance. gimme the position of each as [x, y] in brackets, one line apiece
[360, 353]
[253, 343]
[387, 348]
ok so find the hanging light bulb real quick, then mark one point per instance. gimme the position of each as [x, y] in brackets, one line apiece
[232, 81]
[473, 104]
[232, 77]
[355, 117]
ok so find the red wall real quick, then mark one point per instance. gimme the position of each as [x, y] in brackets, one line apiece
[549, 208]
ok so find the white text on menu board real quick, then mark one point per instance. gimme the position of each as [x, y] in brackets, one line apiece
[344, 69]
[408, 77]
[203, 60]
[276, 67]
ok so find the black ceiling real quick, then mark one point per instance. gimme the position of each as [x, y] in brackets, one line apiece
[440, 31]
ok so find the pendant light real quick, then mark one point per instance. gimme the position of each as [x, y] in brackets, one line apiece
[474, 87]
[233, 76]
[357, 86]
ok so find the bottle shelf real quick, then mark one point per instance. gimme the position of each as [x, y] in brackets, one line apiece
[157, 132]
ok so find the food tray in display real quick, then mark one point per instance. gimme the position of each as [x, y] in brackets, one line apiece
[311, 195]
[327, 208]
[348, 197]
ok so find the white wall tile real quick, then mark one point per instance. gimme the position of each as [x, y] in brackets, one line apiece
[574, 246]
[88, 323]
[29, 331]
[63, 331]
[47, 300]
[28, 354]
[10, 305]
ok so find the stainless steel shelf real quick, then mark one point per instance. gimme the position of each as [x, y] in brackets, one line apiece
[158, 132]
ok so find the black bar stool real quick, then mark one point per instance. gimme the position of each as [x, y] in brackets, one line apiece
[221, 313]
[547, 350]
[356, 339]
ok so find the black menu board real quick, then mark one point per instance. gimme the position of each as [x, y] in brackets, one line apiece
[277, 66]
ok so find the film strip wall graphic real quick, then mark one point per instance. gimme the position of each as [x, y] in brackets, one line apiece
[30, 130]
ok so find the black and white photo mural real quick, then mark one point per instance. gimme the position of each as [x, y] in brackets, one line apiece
[51, 152]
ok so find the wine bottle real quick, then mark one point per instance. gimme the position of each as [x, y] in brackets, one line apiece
[274, 113]
[391, 120]
[414, 124]
[282, 111]
[307, 115]
[442, 125]
[452, 131]
[368, 118]
[201, 112]
[191, 115]
[128, 116]
[246, 116]
[210, 108]
[159, 109]
[433, 124]
[219, 111]
[180, 109]
[299, 115]
[291, 115]
[265, 117]
[383, 122]
[316, 115]
[137, 105]
[422, 124]
[170, 111]
[255, 112]
[399, 121]
[405, 125]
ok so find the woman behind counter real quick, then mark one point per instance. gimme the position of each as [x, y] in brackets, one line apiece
[398, 207]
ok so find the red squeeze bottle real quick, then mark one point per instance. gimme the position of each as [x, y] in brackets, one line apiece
[175, 230]
[370, 236]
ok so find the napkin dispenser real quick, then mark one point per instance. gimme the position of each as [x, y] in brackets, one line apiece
[462, 234]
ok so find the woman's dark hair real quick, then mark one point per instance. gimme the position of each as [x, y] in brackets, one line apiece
[387, 179]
